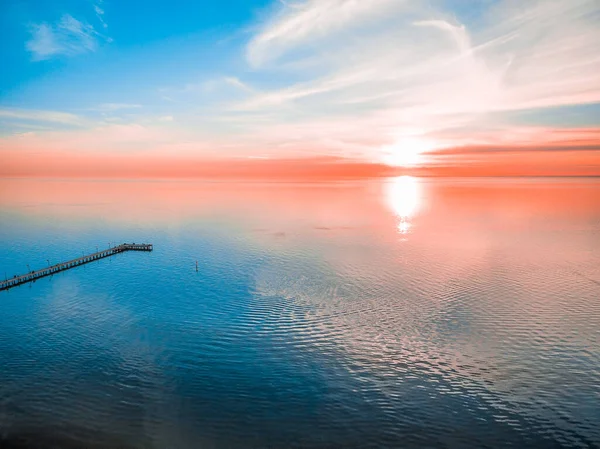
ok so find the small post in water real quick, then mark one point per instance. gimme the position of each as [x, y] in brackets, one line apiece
[196, 266]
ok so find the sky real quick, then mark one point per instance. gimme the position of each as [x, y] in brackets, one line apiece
[451, 87]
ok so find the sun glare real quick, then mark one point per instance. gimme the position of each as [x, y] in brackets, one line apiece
[406, 152]
[404, 199]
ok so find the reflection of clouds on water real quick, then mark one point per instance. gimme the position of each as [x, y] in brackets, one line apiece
[107, 325]
[108, 367]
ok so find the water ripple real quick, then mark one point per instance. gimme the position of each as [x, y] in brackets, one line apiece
[311, 334]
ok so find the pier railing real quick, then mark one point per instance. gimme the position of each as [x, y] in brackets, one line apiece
[33, 275]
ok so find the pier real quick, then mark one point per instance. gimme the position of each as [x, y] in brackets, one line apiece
[33, 275]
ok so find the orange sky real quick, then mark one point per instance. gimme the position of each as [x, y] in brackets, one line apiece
[576, 159]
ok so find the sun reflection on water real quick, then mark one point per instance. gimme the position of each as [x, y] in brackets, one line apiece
[404, 197]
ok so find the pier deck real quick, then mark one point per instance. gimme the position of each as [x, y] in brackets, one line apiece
[33, 275]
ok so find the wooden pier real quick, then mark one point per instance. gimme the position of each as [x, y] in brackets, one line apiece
[33, 275]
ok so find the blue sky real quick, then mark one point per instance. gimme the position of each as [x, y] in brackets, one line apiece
[130, 50]
[379, 80]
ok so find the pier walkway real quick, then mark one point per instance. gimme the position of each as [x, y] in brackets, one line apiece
[33, 275]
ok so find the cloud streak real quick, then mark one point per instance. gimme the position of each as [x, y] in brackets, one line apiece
[58, 117]
[109, 107]
[67, 37]
[298, 24]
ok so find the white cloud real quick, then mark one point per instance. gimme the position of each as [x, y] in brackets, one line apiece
[68, 37]
[395, 66]
[44, 42]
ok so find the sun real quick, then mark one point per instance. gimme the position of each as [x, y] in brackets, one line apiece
[406, 152]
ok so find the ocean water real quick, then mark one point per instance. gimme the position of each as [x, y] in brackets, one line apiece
[402, 312]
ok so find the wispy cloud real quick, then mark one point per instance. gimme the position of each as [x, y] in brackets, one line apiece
[67, 37]
[96, 138]
[99, 10]
[110, 107]
[298, 24]
[63, 118]
[407, 69]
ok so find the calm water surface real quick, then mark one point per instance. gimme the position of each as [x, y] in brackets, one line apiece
[398, 313]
